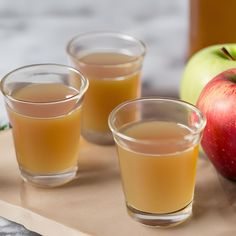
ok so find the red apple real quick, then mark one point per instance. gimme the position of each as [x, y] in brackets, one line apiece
[217, 101]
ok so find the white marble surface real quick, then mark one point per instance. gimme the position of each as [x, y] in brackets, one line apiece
[33, 31]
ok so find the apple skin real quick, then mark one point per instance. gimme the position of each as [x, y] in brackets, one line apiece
[202, 67]
[217, 102]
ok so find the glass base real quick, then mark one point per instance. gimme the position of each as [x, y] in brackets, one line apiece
[100, 138]
[49, 180]
[161, 220]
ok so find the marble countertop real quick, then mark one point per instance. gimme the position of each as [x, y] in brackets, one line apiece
[37, 32]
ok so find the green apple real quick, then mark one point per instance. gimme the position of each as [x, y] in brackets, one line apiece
[204, 66]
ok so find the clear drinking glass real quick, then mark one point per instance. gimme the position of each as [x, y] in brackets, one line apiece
[112, 63]
[44, 108]
[157, 141]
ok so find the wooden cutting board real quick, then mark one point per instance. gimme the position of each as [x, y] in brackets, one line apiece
[94, 204]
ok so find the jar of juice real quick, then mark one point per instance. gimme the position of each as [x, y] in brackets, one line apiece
[211, 22]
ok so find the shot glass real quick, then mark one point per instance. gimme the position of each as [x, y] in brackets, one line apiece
[157, 141]
[112, 63]
[44, 107]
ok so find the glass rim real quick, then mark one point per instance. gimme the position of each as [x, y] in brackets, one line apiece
[107, 33]
[80, 92]
[154, 99]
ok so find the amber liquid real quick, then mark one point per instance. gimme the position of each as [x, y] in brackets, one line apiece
[163, 182]
[46, 137]
[211, 22]
[113, 79]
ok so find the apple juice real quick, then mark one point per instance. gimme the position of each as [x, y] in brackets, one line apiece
[46, 140]
[211, 22]
[163, 182]
[113, 79]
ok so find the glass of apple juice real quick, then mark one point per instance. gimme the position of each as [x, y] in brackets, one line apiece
[44, 107]
[157, 141]
[112, 63]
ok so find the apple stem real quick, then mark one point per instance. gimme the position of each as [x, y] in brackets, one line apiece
[227, 54]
